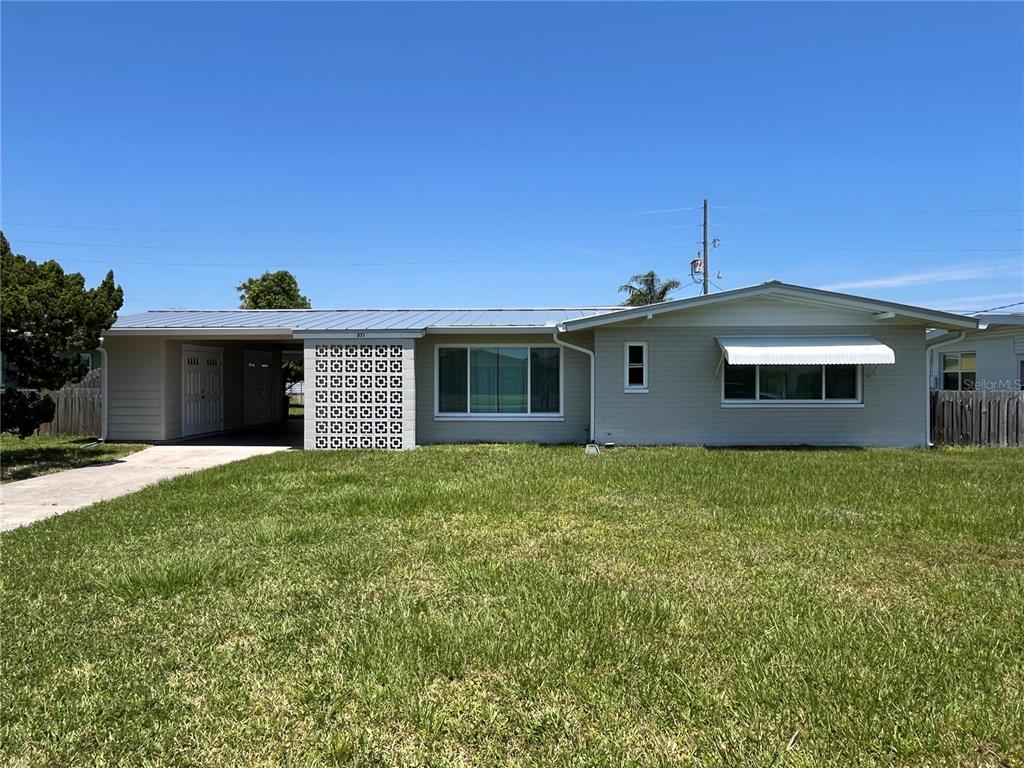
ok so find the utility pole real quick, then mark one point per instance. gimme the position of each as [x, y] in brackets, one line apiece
[705, 246]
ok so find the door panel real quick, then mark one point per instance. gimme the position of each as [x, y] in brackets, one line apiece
[202, 390]
[257, 384]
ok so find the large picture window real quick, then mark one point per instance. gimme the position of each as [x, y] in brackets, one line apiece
[959, 370]
[499, 381]
[791, 384]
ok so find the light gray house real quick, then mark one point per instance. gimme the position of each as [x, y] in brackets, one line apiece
[772, 364]
[990, 357]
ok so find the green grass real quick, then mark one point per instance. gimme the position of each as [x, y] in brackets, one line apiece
[21, 459]
[524, 606]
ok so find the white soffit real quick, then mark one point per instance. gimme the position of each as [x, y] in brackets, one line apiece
[805, 350]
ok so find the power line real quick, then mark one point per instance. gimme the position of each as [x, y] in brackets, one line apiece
[993, 309]
[883, 249]
[292, 265]
[375, 246]
[870, 229]
[432, 227]
[866, 210]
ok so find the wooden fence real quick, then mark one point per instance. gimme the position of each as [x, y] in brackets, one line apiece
[985, 417]
[79, 410]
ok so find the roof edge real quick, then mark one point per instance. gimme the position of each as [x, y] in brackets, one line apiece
[943, 319]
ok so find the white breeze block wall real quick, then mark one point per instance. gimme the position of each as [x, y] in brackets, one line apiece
[359, 394]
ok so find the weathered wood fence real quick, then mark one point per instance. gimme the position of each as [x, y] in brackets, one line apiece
[984, 417]
[79, 410]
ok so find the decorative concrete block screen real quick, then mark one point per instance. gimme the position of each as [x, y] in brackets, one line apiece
[359, 395]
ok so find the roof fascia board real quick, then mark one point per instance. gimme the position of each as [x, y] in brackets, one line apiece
[489, 329]
[382, 333]
[830, 298]
[650, 310]
[269, 333]
[794, 293]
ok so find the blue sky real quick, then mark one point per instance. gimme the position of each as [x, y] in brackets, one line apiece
[516, 155]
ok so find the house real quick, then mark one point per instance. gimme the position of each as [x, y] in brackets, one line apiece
[987, 358]
[772, 364]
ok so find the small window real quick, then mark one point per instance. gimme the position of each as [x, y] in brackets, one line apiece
[959, 370]
[740, 382]
[636, 366]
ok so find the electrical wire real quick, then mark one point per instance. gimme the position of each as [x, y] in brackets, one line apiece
[993, 309]
[433, 227]
[883, 249]
[730, 225]
[292, 265]
[375, 246]
[862, 210]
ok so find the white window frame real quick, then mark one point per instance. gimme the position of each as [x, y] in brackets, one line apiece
[959, 370]
[757, 402]
[626, 387]
[528, 416]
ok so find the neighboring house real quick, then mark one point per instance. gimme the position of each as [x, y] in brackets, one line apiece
[772, 364]
[990, 357]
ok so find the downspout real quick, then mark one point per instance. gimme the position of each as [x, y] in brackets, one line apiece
[928, 378]
[589, 353]
[103, 390]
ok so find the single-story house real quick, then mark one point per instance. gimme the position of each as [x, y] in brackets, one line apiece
[772, 364]
[988, 358]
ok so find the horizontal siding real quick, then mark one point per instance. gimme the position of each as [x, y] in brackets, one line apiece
[999, 354]
[133, 388]
[684, 401]
[574, 428]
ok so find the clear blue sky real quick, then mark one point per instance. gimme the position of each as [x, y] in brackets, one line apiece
[510, 155]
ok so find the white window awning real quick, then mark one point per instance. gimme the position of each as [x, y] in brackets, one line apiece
[805, 350]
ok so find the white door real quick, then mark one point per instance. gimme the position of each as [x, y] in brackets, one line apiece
[258, 386]
[202, 390]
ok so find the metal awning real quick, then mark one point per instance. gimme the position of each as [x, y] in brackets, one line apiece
[805, 350]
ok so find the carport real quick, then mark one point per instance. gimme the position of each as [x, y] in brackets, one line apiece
[164, 385]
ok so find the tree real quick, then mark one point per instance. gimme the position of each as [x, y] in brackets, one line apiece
[46, 313]
[272, 290]
[647, 289]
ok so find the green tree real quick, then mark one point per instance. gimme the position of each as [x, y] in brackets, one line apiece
[647, 289]
[44, 314]
[272, 290]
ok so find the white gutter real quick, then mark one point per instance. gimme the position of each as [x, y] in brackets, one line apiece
[589, 353]
[104, 369]
[929, 348]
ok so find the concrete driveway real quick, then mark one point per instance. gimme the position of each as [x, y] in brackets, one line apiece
[25, 501]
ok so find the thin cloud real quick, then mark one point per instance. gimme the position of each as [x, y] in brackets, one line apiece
[927, 277]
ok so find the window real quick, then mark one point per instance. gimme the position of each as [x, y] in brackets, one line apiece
[499, 381]
[636, 366]
[791, 383]
[959, 370]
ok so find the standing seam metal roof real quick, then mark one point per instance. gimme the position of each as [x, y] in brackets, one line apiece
[355, 319]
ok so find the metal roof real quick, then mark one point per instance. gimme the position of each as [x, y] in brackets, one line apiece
[352, 319]
[805, 350]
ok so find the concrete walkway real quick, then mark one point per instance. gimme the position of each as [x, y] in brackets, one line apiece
[25, 501]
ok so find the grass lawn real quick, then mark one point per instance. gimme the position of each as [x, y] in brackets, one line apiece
[21, 459]
[528, 606]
